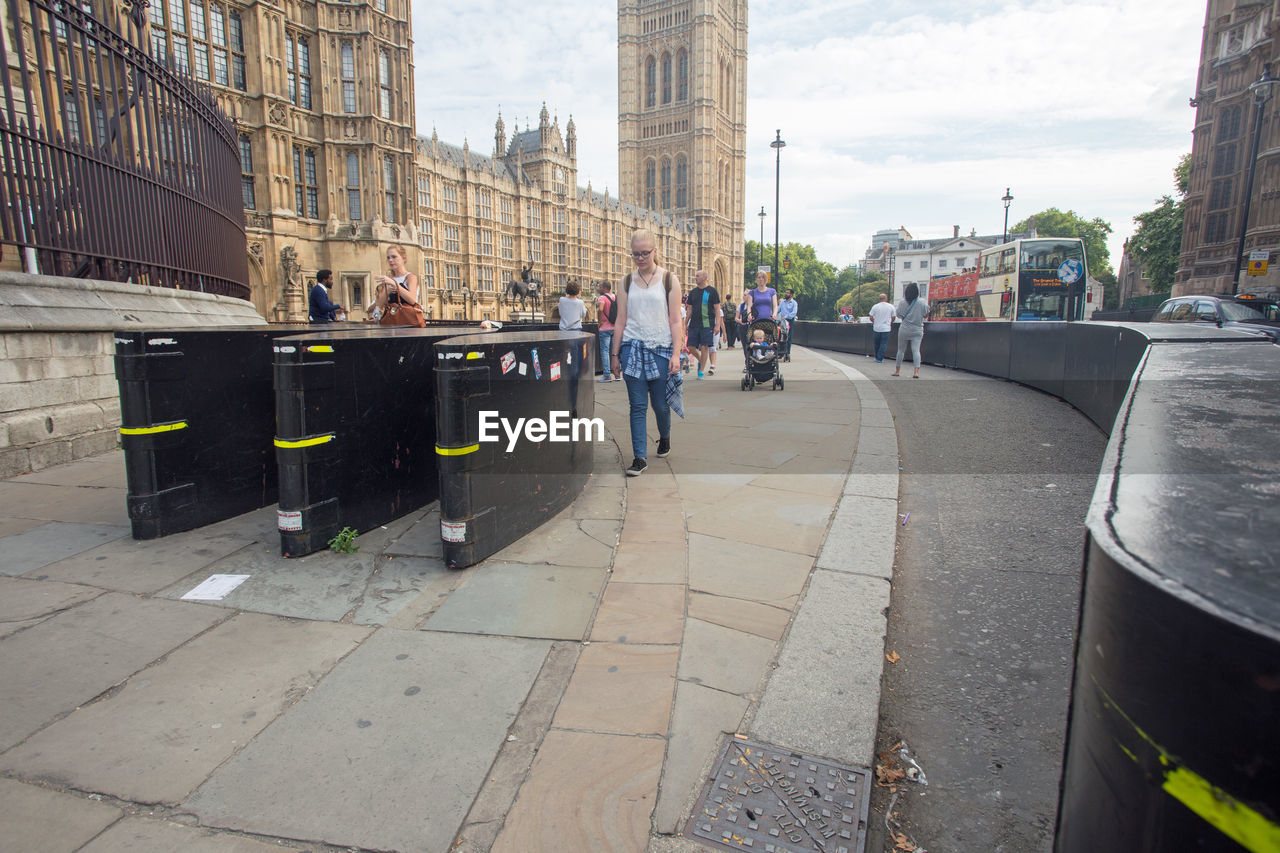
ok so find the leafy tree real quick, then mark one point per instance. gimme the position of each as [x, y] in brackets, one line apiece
[1094, 232]
[1158, 241]
[1110, 290]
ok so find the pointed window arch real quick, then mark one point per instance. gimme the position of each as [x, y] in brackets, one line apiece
[682, 182]
[666, 183]
[650, 82]
[682, 73]
[649, 170]
[666, 78]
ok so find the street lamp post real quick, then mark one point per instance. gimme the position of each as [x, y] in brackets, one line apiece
[1261, 94]
[1007, 198]
[777, 145]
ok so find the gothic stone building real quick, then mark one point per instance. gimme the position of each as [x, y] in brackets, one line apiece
[333, 172]
[1239, 37]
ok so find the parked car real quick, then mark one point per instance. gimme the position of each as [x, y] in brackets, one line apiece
[1217, 311]
[1264, 305]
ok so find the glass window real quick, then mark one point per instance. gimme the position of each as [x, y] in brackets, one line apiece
[217, 24]
[220, 67]
[384, 83]
[682, 183]
[348, 77]
[389, 189]
[666, 78]
[425, 234]
[201, 54]
[666, 184]
[650, 82]
[246, 153]
[197, 19]
[181, 55]
[178, 17]
[353, 186]
[649, 180]
[682, 63]
[424, 190]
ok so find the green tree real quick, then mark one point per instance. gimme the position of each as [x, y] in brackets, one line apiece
[1094, 232]
[1158, 241]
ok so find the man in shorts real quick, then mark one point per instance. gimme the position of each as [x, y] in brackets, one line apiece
[704, 318]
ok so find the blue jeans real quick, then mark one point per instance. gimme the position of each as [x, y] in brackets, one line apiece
[637, 392]
[606, 345]
[882, 344]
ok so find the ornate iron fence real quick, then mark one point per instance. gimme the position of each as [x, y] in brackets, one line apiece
[112, 166]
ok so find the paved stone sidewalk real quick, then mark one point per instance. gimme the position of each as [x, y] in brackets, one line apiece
[568, 694]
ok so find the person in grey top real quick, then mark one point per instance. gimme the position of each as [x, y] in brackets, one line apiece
[911, 311]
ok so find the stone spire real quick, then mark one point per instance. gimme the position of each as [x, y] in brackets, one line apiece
[571, 139]
[499, 137]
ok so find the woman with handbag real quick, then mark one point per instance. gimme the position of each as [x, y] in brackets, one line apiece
[401, 292]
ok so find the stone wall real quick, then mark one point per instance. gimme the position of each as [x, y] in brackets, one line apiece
[58, 395]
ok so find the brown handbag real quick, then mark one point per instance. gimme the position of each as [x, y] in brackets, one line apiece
[403, 314]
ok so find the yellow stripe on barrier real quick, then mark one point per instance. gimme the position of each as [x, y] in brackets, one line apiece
[304, 442]
[320, 348]
[471, 355]
[457, 451]
[1249, 828]
[151, 430]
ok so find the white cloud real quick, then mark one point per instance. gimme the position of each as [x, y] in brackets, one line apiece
[895, 112]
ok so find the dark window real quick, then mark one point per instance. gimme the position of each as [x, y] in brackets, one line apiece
[1229, 124]
[1220, 194]
[666, 78]
[682, 183]
[1224, 160]
[649, 185]
[1215, 227]
[682, 63]
[650, 82]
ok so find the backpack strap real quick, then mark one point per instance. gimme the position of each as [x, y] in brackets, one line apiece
[666, 280]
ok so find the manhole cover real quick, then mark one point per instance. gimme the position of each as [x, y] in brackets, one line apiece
[773, 800]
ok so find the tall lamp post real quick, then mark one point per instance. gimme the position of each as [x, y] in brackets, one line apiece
[1007, 198]
[777, 145]
[1261, 94]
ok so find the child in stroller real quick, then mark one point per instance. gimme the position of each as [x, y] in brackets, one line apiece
[761, 352]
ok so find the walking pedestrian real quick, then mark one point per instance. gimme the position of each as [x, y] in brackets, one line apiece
[763, 299]
[911, 311]
[788, 312]
[704, 318]
[882, 315]
[572, 309]
[729, 324]
[321, 310]
[607, 303]
[644, 348]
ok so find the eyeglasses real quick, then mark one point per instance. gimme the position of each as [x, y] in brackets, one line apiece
[642, 255]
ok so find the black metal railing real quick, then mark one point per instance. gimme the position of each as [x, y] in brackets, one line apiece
[112, 166]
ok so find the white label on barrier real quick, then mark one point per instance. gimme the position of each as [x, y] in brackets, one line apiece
[453, 531]
[524, 369]
[124, 340]
[290, 521]
[159, 342]
[286, 349]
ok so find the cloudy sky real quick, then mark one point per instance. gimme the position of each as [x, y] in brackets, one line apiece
[895, 113]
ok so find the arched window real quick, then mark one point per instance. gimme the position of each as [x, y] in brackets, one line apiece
[666, 184]
[666, 78]
[682, 183]
[682, 69]
[650, 82]
[648, 184]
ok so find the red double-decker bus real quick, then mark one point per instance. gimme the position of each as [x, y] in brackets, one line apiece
[1026, 279]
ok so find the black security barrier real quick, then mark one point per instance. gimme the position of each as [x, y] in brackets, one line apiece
[1174, 734]
[355, 430]
[492, 492]
[197, 415]
[1172, 741]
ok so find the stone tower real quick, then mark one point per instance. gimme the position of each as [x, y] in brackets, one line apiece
[682, 82]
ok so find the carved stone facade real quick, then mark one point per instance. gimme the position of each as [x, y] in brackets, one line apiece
[322, 94]
[682, 85]
[1239, 37]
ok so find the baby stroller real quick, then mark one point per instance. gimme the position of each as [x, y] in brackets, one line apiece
[762, 362]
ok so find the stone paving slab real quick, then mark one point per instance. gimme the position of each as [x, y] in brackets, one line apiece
[750, 617]
[566, 542]
[138, 835]
[741, 570]
[169, 726]
[104, 470]
[762, 517]
[74, 504]
[422, 539]
[623, 689]
[641, 613]
[33, 549]
[652, 562]
[130, 565]
[9, 526]
[725, 659]
[862, 537]
[22, 599]
[517, 600]
[701, 719]
[393, 745]
[586, 792]
[824, 696]
[36, 819]
[51, 668]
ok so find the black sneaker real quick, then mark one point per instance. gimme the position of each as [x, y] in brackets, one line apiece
[637, 467]
[664, 446]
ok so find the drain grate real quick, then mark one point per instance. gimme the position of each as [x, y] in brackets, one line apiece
[773, 800]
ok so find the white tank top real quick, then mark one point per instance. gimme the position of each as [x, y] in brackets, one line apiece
[647, 317]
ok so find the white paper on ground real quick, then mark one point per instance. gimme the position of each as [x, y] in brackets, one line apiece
[215, 588]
